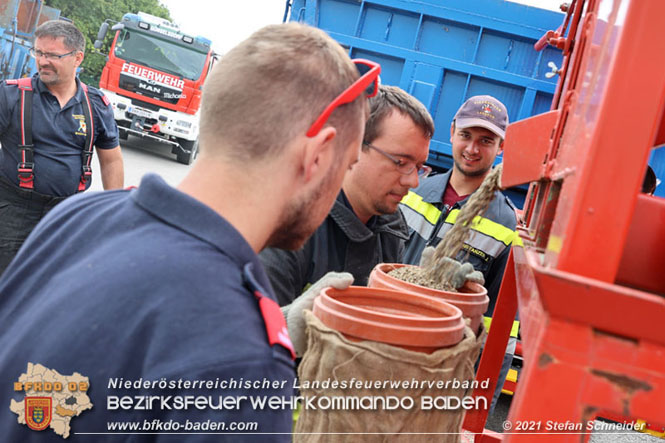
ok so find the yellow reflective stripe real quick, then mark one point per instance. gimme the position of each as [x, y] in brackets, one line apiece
[518, 241]
[487, 227]
[512, 375]
[452, 216]
[427, 210]
[487, 321]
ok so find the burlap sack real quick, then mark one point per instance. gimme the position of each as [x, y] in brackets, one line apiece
[330, 356]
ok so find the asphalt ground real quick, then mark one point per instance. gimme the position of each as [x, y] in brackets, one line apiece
[142, 156]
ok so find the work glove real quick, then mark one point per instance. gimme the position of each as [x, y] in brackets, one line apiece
[463, 273]
[426, 256]
[295, 320]
[460, 274]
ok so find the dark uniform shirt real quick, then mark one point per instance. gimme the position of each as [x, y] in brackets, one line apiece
[142, 284]
[341, 243]
[58, 135]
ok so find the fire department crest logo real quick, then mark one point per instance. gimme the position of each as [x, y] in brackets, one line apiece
[50, 400]
[487, 109]
[80, 118]
[38, 412]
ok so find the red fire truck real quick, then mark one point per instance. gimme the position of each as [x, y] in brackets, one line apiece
[153, 78]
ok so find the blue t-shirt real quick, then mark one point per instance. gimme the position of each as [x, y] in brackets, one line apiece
[57, 135]
[143, 284]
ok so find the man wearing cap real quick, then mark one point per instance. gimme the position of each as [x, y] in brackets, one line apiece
[476, 134]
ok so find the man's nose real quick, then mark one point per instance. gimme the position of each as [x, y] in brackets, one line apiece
[411, 179]
[474, 146]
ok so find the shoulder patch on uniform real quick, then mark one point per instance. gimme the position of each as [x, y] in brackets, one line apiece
[12, 82]
[105, 99]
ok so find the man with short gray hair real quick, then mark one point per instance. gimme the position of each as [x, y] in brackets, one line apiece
[48, 127]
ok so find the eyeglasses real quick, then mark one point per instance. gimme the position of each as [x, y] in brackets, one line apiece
[404, 167]
[367, 83]
[36, 53]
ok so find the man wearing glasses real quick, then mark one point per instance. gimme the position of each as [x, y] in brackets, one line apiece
[364, 227]
[161, 283]
[48, 127]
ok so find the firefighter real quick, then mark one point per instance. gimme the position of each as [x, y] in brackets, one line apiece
[476, 134]
[159, 283]
[365, 226]
[43, 162]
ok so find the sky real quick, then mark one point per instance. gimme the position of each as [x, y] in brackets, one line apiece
[228, 22]
[225, 22]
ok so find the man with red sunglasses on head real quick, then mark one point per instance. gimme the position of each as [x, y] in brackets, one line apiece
[162, 283]
[364, 227]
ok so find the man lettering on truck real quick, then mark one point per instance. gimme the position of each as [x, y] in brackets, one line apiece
[476, 134]
[364, 227]
[162, 283]
[64, 121]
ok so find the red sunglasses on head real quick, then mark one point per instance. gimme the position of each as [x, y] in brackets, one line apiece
[367, 83]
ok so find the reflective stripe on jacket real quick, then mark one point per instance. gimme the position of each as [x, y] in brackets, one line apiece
[492, 234]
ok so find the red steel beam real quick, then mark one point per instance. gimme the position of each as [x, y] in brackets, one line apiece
[608, 137]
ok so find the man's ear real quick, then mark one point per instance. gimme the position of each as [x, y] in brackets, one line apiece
[319, 152]
[79, 58]
[500, 151]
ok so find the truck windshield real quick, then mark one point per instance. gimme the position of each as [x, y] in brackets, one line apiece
[159, 54]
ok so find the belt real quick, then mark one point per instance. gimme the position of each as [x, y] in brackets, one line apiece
[28, 194]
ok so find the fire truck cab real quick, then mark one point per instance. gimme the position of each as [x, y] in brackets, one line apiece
[153, 78]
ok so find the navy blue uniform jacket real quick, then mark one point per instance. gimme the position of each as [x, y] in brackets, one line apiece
[137, 284]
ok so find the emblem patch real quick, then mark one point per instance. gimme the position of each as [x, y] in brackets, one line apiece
[50, 399]
[82, 126]
[38, 412]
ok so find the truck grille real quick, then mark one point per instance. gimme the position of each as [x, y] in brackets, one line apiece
[152, 90]
[145, 105]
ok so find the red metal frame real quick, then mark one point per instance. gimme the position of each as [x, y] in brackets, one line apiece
[591, 349]
[607, 139]
[589, 276]
[492, 356]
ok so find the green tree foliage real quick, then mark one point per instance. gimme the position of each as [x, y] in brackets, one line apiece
[88, 15]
